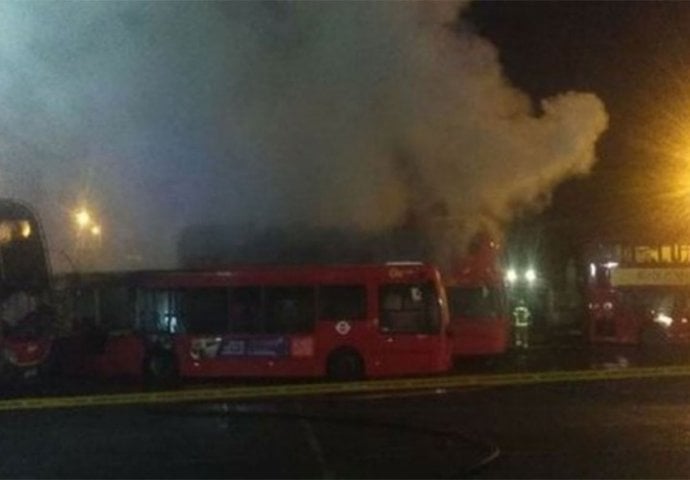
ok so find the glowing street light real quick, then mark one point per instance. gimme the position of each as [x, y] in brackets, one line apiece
[530, 275]
[83, 218]
[88, 239]
[511, 276]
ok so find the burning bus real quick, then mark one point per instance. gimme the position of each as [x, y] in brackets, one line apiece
[480, 322]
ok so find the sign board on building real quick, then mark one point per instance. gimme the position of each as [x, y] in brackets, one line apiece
[627, 277]
[660, 254]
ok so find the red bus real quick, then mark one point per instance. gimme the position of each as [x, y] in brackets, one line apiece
[25, 295]
[96, 324]
[480, 322]
[639, 294]
[346, 322]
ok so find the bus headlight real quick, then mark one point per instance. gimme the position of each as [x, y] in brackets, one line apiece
[530, 275]
[663, 319]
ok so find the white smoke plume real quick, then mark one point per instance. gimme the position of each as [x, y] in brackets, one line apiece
[359, 116]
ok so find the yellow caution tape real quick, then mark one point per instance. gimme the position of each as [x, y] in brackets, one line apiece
[312, 389]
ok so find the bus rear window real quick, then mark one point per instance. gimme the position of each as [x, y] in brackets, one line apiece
[290, 309]
[409, 308]
[474, 302]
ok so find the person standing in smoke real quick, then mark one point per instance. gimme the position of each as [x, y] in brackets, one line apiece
[521, 315]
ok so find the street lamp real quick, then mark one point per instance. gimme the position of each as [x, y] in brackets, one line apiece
[83, 218]
[88, 238]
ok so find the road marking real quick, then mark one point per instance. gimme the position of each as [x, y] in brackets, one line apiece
[410, 394]
[314, 389]
[315, 445]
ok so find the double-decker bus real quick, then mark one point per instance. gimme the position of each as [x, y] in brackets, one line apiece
[345, 322]
[479, 318]
[639, 294]
[25, 318]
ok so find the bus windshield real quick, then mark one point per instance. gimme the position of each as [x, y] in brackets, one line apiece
[474, 302]
[22, 260]
[409, 308]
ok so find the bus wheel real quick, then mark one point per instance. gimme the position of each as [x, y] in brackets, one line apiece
[160, 368]
[345, 364]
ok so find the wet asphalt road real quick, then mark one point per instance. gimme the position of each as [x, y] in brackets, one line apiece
[618, 429]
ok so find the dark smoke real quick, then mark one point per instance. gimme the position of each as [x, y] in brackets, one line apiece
[216, 245]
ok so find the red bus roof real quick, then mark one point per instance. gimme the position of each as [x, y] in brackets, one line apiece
[480, 266]
[397, 272]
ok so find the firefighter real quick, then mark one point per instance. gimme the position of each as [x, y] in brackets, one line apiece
[522, 316]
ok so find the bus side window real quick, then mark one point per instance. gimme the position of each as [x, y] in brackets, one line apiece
[290, 309]
[245, 313]
[115, 306]
[159, 311]
[146, 316]
[85, 308]
[205, 310]
[342, 302]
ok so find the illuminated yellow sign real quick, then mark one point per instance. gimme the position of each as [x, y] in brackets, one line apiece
[622, 277]
[666, 254]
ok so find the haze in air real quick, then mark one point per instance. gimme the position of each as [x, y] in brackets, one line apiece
[171, 118]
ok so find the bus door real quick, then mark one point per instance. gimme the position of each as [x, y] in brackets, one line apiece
[178, 325]
[85, 339]
[123, 350]
[410, 327]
